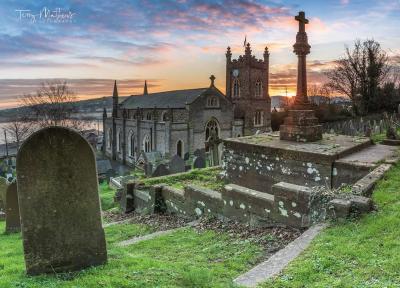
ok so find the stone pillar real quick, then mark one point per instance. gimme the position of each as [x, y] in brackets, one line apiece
[301, 125]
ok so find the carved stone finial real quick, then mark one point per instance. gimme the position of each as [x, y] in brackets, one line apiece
[266, 52]
[228, 52]
[248, 50]
[212, 78]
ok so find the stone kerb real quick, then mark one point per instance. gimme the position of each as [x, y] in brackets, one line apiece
[292, 204]
[247, 206]
[201, 201]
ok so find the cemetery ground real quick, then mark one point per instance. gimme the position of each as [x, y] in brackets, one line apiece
[355, 253]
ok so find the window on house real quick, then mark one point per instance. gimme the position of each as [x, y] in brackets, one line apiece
[258, 92]
[212, 101]
[149, 116]
[109, 137]
[119, 141]
[132, 144]
[179, 148]
[146, 144]
[212, 128]
[259, 118]
[236, 88]
[164, 116]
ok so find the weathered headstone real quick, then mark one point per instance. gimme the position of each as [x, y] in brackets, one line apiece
[13, 223]
[59, 202]
[148, 169]
[127, 196]
[176, 165]
[3, 189]
[186, 156]
[199, 162]
[161, 170]
[200, 153]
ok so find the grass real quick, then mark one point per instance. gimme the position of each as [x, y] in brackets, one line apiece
[206, 177]
[182, 259]
[364, 253]
[107, 197]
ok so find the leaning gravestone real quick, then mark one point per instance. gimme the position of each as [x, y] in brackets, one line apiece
[199, 162]
[161, 170]
[13, 223]
[59, 202]
[176, 165]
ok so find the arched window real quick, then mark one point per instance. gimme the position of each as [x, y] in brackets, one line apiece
[236, 88]
[131, 146]
[179, 148]
[109, 137]
[164, 116]
[258, 92]
[146, 144]
[259, 118]
[149, 116]
[212, 101]
[119, 141]
[212, 128]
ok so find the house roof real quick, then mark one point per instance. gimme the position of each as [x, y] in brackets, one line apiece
[167, 99]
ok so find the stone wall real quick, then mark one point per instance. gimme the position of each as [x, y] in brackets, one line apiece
[259, 171]
[292, 205]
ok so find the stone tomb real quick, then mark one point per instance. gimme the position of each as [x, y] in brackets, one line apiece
[59, 203]
[258, 162]
[13, 223]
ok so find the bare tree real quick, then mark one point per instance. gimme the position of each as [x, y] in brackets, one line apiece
[19, 129]
[53, 105]
[360, 73]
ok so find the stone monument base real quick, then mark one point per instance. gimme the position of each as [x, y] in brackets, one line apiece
[301, 126]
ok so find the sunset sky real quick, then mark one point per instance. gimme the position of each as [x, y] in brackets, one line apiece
[175, 44]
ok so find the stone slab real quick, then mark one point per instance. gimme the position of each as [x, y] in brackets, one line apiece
[370, 156]
[329, 149]
[275, 264]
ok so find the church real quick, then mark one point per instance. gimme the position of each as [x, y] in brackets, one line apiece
[182, 121]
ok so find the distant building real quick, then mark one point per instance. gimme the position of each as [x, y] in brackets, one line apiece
[182, 121]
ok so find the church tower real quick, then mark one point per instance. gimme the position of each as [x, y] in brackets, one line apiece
[247, 82]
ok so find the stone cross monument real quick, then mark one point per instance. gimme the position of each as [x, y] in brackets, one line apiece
[301, 125]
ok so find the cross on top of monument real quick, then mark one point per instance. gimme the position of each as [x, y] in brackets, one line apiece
[302, 21]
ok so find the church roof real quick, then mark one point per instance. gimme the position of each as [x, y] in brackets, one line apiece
[167, 99]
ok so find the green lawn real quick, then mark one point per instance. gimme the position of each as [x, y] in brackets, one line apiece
[363, 253]
[107, 197]
[182, 259]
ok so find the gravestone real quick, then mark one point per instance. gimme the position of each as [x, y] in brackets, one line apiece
[13, 223]
[186, 156]
[161, 170]
[3, 189]
[148, 169]
[127, 196]
[59, 203]
[176, 165]
[199, 162]
[200, 153]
